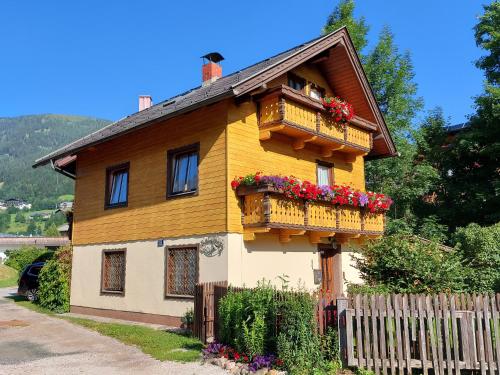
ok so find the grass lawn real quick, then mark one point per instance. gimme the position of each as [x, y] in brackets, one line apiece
[8, 276]
[161, 345]
[158, 344]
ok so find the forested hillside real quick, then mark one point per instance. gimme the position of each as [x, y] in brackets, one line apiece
[26, 138]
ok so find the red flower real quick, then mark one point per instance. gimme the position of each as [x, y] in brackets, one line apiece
[235, 184]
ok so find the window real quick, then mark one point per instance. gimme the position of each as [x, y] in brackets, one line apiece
[181, 271]
[117, 186]
[35, 270]
[316, 92]
[113, 271]
[182, 170]
[296, 82]
[324, 174]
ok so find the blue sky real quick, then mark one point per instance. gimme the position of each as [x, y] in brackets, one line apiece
[95, 57]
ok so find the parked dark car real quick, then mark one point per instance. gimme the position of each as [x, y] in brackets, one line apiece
[28, 282]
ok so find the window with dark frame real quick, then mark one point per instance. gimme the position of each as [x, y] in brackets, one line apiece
[182, 171]
[295, 82]
[117, 185]
[181, 271]
[113, 271]
[324, 173]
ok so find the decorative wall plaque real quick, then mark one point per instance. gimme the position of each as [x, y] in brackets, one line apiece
[212, 246]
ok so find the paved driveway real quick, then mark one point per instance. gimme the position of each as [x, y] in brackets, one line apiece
[32, 343]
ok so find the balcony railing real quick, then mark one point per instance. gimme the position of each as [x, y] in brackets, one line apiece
[289, 112]
[265, 209]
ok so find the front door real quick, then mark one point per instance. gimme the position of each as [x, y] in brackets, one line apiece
[327, 254]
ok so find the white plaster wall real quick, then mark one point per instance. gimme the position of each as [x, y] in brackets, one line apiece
[350, 273]
[144, 276]
[265, 257]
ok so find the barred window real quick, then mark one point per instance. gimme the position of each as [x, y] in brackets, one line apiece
[181, 271]
[113, 271]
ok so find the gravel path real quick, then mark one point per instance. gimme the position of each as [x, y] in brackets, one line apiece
[33, 343]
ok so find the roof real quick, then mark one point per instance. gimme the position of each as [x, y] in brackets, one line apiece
[232, 85]
[456, 128]
[38, 241]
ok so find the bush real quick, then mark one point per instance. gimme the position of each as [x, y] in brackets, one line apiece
[55, 279]
[247, 320]
[479, 249]
[403, 264]
[19, 259]
[299, 346]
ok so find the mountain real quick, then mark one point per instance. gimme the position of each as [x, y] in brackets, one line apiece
[26, 138]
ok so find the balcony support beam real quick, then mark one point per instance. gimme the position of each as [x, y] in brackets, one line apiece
[327, 151]
[266, 134]
[249, 233]
[300, 143]
[284, 234]
[315, 237]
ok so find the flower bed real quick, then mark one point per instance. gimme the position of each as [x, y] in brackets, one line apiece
[295, 188]
[238, 363]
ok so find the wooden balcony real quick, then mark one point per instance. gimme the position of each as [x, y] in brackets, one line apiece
[266, 210]
[296, 115]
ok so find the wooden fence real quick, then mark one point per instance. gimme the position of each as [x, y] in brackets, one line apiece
[394, 333]
[441, 333]
[206, 307]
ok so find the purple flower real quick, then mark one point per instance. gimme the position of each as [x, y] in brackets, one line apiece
[363, 199]
[261, 361]
[213, 348]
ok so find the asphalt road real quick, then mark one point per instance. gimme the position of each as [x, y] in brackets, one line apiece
[33, 343]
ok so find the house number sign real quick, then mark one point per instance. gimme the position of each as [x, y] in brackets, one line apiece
[211, 247]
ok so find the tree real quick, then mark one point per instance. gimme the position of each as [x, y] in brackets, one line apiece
[32, 228]
[391, 75]
[20, 218]
[479, 248]
[4, 222]
[405, 264]
[488, 38]
[468, 165]
[343, 15]
[51, 231]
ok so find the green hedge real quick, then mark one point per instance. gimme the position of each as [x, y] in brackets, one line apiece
[55, 279]
[19, 259]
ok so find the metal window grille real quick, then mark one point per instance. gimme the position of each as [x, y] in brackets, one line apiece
[182, 271]
[113, 276]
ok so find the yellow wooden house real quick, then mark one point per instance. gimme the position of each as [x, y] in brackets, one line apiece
[155, 211]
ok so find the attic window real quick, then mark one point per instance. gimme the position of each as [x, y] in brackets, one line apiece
[316, 92]
[295, 82]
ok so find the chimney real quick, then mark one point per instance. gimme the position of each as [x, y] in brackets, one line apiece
[145, 101]
[211, 70]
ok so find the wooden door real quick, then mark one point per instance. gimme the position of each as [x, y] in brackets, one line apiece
[332, 277]
[327, 254]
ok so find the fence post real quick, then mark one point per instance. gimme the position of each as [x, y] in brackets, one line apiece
[342, 304]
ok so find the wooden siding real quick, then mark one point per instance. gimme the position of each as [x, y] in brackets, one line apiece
[149, 215]
[246, 154]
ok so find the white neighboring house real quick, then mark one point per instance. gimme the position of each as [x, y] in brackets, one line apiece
[17, 203]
